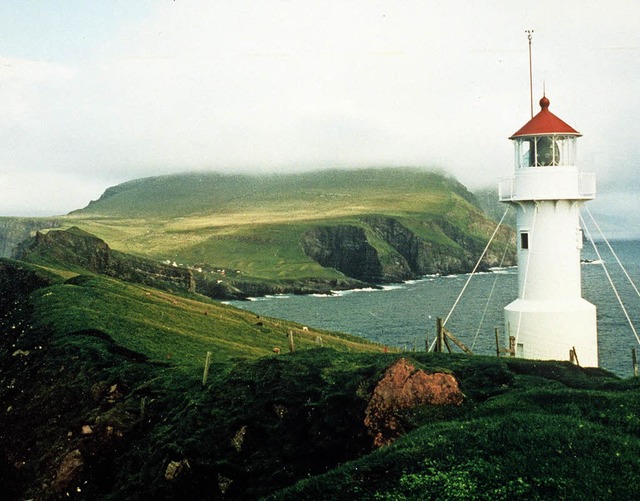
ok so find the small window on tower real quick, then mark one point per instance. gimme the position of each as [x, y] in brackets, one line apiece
[524, 240]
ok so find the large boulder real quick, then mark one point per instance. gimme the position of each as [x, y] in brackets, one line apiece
[403, 387]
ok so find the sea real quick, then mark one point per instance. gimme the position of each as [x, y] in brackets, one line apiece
[404, 315]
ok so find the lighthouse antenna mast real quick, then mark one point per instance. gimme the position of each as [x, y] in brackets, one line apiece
[529, 37]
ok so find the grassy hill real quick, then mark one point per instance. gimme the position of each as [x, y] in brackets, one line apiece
[292, 228]
[103, 398]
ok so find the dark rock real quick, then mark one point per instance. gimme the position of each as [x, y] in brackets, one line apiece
[400, 253]
[69, 469]
[346, 249]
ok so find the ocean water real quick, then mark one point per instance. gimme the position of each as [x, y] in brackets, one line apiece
[404, 315]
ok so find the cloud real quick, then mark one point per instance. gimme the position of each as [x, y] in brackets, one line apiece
[25, 85]
[35, 193]
[276, 85]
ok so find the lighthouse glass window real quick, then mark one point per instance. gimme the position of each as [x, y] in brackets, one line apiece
[545, 151]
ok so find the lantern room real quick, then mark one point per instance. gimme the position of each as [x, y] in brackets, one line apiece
[545, 141]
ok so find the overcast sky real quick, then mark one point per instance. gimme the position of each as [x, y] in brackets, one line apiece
[96, 93]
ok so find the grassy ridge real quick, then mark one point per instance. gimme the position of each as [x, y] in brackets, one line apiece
[337, 191]
[547, 431]
[159, 327]
[82, 350]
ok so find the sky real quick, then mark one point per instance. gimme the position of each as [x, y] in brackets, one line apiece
[93, 94]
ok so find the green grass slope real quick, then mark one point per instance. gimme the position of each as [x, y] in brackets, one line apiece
[157, 326]
[530, 430]
[255, 224]
[102, 392]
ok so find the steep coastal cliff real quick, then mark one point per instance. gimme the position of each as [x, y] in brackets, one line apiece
[382, 249]
[14, 230]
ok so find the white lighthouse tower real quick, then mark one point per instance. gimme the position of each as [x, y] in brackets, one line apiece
[549, 320]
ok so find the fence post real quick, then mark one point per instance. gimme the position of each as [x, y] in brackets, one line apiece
[292, 348]
[439, 335]
[207, 364]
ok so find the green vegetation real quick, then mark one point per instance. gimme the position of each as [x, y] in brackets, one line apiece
[101, 377]
[84, 350]
[546, 431]
[156, 326]
[256, 224]
[101, 384]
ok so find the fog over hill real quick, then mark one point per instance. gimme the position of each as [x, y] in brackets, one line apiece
[100, 94]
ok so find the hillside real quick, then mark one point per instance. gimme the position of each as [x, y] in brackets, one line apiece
[283, 232]
[103, 398]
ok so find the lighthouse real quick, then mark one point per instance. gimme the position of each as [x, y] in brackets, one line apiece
[549, 320]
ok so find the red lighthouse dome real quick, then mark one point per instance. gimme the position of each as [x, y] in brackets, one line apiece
[545, 123]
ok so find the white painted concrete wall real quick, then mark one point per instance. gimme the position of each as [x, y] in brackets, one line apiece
[550, 317]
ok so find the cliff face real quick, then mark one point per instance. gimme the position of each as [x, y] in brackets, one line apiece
[346, 249]
[79, 249]
[425, 257]
[385, 250]
[15, 230]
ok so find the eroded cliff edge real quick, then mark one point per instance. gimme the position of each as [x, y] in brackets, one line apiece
[383, 249]
[14, 230]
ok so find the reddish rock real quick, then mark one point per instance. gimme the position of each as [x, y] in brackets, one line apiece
[403, 387]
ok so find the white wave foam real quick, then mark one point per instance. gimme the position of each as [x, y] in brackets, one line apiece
[392, 287]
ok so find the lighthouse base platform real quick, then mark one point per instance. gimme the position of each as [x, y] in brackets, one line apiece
[550, 330]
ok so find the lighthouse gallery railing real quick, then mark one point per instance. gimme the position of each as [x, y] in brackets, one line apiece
[538, 183]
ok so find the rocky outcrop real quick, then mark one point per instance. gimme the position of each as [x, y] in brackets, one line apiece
[77, 249]
[14, 230]
[403, 387]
